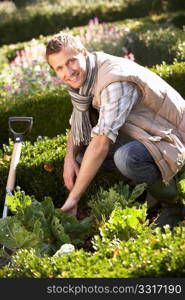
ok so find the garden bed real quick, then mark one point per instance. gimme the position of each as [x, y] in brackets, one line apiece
[25, 22]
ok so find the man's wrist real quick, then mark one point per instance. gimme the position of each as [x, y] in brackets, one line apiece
[75, 197]
[70, 156]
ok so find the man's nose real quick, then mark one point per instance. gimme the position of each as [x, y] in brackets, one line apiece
[69, 71]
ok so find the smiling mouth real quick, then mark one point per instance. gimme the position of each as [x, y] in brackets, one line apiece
[74, 78]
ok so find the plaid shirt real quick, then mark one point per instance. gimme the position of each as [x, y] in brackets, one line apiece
[117, 101]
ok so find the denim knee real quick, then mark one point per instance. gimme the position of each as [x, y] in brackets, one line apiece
[134, 161]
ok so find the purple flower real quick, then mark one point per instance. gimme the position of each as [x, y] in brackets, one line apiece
[7, 87]
[44, 82]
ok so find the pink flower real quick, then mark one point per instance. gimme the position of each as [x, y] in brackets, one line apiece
[22, 52]
[7, 87]
[96, 21]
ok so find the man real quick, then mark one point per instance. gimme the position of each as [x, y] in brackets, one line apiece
[141, 121]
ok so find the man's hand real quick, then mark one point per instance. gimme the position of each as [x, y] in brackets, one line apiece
[71, 170]
[70, 207]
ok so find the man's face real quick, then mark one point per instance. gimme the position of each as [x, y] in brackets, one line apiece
[70, 66]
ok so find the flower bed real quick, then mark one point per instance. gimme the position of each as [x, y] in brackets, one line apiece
[47, 18]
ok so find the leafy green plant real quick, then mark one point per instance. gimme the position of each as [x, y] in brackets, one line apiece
[150, 253]
[18, 201]
[119, 195]
[122, 225]
[40, 226]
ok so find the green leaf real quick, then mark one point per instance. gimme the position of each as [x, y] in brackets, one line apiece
[33, 213]
[14, 236]
[137, 191]
[181, 187]
[47, 207]
[38, 231]
[58, 231]
[18, 201]
[4, 254]
[124, 223]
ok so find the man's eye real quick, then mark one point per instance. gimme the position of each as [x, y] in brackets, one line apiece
[72, 60]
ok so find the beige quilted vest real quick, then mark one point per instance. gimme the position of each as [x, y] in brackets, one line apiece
[157, 120]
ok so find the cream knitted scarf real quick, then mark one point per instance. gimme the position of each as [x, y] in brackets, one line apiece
[81, 99]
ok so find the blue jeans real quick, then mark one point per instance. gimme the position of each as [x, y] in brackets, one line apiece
[134, 161]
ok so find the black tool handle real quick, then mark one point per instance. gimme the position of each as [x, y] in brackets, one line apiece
[19, 136]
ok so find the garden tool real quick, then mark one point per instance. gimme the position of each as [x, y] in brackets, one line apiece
[18, 138]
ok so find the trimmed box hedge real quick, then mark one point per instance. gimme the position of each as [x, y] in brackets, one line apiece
[25, 25]
[173, 74]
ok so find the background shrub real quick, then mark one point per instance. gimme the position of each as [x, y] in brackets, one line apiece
[46, 19]
[173, 74]
[155, 37]
[155, 44]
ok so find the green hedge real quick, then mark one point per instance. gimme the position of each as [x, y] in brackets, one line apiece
[154, 44]
[50, 112]
[25, 25]
[173, 74]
